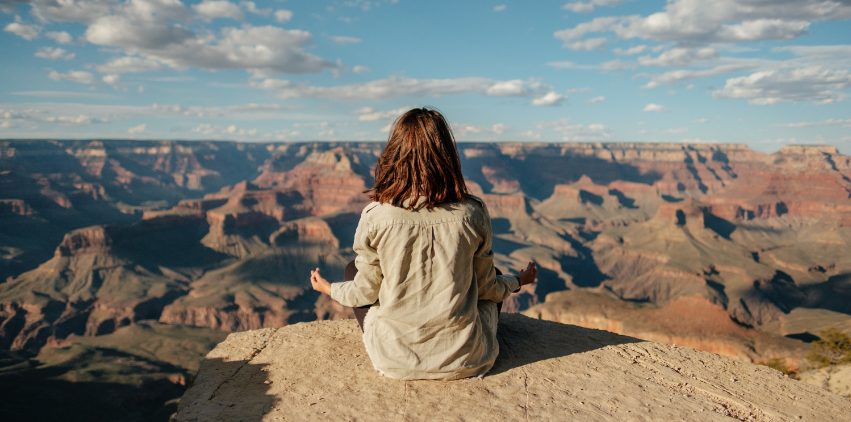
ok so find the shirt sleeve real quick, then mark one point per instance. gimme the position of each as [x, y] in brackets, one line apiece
[491, 286]
[363, 290]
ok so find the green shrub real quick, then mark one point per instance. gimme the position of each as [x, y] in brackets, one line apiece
[780, 365]
[833, 348]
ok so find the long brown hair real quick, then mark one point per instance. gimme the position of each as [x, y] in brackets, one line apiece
[419, 160]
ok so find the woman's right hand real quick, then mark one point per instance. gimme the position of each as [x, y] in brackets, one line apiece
[528, 275]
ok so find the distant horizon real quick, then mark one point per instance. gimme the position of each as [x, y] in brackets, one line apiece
[530, 143]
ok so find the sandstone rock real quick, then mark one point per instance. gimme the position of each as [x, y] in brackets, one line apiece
[836, 379]
[545, 371]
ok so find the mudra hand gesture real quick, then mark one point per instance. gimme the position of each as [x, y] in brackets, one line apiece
[319, 283]
[528, 275]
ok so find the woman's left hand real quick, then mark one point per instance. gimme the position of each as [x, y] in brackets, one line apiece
[319, 284]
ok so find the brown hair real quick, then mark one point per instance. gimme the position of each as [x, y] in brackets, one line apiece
[419, 160]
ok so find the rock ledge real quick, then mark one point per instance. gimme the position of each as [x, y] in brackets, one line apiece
[545, 371]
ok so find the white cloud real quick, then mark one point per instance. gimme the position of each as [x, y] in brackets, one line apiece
[579, 7]
[587, 45]
[828, 122]
[719, 21]
[208, 10]
[361, 69]
[283, 15]
[368, 114]
[208, 129]
[552, 98]
[61, 37]
[596, 100]
[27, 32]
[700, 121]
[467, 131]
[812, 83]
[345, 40]
[51, 53]
[531, 134]
[252, 8]
[677, 130]
[675, 76]
[499, 8]
[629, 51]
[112, 79]
[129, 64]
[611, 65]
[654, 108]
[265, 49]
[141, 89]
[578, 132]
[679, 57]
[159, 30]
[137, 129]
[78, 76]
[396, 86]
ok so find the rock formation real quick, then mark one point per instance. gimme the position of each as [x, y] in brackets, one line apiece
[752, 248]
[545, 371]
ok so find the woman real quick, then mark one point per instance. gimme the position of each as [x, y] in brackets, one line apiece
[424, 261]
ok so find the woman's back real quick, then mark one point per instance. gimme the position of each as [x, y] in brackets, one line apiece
[424, 263]
[435, 267]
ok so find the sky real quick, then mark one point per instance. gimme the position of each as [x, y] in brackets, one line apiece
[765, 73]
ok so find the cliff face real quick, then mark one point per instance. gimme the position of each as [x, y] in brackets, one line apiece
[545, 371]
[98, 235]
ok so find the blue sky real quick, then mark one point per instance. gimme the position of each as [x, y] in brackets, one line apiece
[761, 72]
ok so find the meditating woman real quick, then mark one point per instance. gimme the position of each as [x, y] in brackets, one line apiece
[424, 266]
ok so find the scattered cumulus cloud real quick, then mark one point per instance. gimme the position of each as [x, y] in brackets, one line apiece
[629, 51]
[587, 45]
[361, 69]
[368, 114]
[397, 86]
[550, 99]
[531, 134]
[828, 122]
[78, 76]
[52, 53]
[465, 131]
[61, 37]
[251, 7]
[654, 108]
[580, 7]
[283, 15]
[27, 32]
[135, 130]
[812, 83]
[129, 64]
[208, 10]
[578, 132]
[714, 21]
[112, 79]
[596, 100]
[499, 8]
[700, 121]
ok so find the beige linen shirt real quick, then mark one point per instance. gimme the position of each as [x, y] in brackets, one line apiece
[432, 273]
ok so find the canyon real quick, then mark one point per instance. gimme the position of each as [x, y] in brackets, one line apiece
[711, 246]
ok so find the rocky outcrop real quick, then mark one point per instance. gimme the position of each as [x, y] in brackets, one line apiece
[545, 371]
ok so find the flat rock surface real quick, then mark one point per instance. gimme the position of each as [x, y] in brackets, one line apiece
[545, 371]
